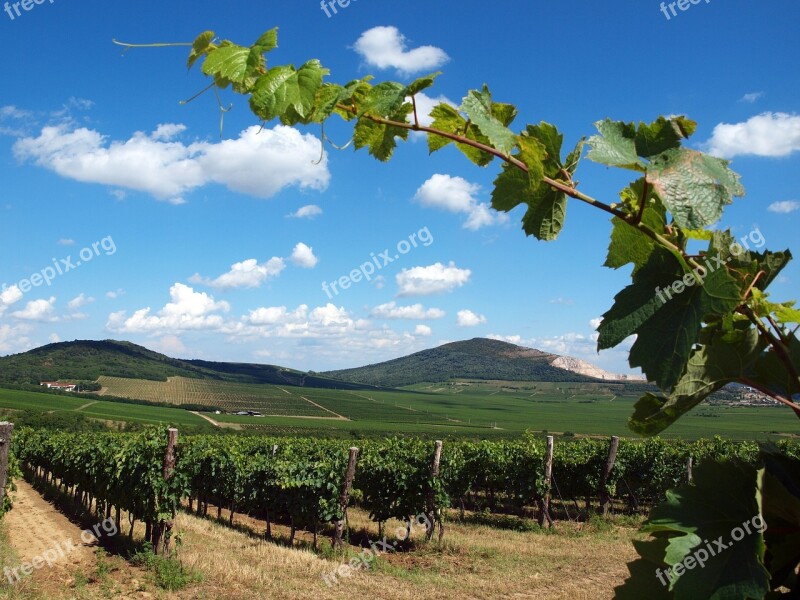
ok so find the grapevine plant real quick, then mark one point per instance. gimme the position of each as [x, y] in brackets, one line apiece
[716, 325]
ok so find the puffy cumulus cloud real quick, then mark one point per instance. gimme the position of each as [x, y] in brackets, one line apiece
[171, 345]
[423, 330]
[433, 279]
[303, 256]
[79, 301]
[784, 206]
[309, 211]
[8, 296]
[259, 162]
[768, 134]
[511, 339]
[386, 48]
[302, 322]
[189, 310]
[38, 310]
[595, 323]
[246, 274]
[457, 195]
[114, 294]
[391, 310]
[467, 318]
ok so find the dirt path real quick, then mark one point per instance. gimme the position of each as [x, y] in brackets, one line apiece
[87, 405]
[38, 531]
[206, 417]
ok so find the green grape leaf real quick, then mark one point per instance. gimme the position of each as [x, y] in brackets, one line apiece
[694, 187]
[661, 135]
[665, 308]
[629, 244]
[268, 41]
[492, 122]
[445, 118]
[724, 359]
[325, 101]
[615, 146]
[415, 87]
[200, 46]
[228, 62]
[287, 93]
[381, 139]
[700, 523]
[383, 99]
[781, 508]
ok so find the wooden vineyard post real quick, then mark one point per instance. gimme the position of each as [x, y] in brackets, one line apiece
[5, 447]
[345, 498]
[605, 500]
[431, 499]
[548, 482]
[162, 531]
[689, 464]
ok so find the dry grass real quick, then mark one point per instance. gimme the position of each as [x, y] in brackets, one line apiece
[474, 562]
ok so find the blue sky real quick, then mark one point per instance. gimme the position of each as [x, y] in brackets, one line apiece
[212, 248]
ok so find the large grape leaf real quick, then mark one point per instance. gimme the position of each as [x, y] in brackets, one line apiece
[615, 146]
[229, 62]
[286, 92]
[483, 112]
[731, 352]
[695, 187]
[699, 517]
[629, 244]
[667, 324]
[201, 45]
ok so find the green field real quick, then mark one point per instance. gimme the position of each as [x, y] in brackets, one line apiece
[457, 409]
[98, 409]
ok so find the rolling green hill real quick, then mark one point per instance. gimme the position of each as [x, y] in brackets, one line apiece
[86, 360]
[478, 358]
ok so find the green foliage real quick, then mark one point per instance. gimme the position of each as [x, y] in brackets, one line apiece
[167, 572]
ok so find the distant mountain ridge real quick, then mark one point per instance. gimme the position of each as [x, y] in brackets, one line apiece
[478, 358]
[86, 360]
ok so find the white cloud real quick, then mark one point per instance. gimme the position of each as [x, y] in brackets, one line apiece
[246, 274]
[278, 321]
[751, 97]
[260, 162]
[511, 339]
[433, 279]
[171, 345]
[66, 242]
[53, 338]
[784, 206]
[457, 195]
[467, 318]
[595, 323]
[423, 330]
[13, 112]
[309, 211]
[37, 310]
[767, 134]
[303, 256]
[114, 294]
[8, 296]
[79, 301]
[386, 48]
[189, 310]
[14, 338]
[391, 310]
